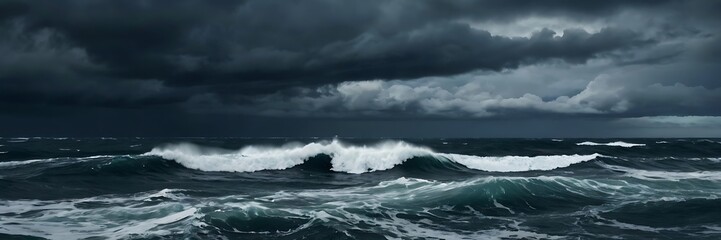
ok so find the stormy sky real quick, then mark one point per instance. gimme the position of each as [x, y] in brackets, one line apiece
[370, 68]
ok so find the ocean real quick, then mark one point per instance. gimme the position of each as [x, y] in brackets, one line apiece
[346, 188]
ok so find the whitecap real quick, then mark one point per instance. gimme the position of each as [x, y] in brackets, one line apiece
[351, 159]
[612, 144]
[519, 163]
[18, 140]
[165, 193]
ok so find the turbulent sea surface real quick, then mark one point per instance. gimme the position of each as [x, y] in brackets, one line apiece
[285, 188]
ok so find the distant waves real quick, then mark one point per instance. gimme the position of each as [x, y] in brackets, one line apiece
[612, 144]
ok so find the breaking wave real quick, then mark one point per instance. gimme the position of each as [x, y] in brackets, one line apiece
[612, 144]
[348, 158]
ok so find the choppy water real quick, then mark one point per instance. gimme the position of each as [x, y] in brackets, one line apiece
[233, 188]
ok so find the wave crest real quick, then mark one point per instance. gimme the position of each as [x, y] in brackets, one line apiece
[347, 158]
[519, 163]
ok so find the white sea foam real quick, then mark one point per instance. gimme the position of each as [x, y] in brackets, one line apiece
[145, 226]
[122, 217]
[347, 158]
[343, 209]
[612, 144]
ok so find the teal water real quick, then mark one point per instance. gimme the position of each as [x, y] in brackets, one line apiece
[286, 188]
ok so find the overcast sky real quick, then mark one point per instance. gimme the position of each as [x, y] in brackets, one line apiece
[366, 68]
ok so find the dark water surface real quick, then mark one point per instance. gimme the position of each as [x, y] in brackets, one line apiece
[280, 188]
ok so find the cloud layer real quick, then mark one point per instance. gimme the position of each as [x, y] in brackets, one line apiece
[378, 59]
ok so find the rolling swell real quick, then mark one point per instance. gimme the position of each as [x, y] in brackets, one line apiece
[401, 207]
[282, 214]
[105, 165]
[694, 212]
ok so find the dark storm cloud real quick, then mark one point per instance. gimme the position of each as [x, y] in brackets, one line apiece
[42, 67]
[362, 59]
[262, 46]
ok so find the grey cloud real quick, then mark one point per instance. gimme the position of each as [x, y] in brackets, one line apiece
[42, 67]
[250, 47]
[621, 94]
